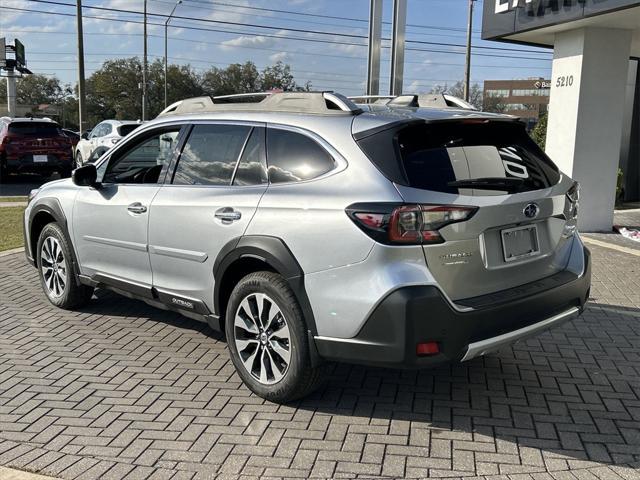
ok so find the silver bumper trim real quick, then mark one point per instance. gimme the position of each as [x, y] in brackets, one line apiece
[483, 347]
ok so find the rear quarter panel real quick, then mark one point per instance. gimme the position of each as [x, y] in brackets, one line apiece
[310, 216]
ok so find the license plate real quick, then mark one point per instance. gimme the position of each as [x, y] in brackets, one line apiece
[40, 159]
[520, 242]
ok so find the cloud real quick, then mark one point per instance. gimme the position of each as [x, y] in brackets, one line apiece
[351, 50]
[279, 57]
[10, 16]
[258, 41]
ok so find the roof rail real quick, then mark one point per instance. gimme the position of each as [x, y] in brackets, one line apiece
[319, 103]
[424, 100]
[380, 99]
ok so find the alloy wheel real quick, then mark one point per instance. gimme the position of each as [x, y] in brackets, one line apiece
[262, 338]
[54, 267]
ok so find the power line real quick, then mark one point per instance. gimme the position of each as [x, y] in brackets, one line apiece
[297, 30]
[187, 27]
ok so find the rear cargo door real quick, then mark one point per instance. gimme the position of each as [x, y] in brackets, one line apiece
[518, 233]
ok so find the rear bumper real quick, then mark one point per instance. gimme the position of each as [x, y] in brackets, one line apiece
[415, 314]
[25, 164]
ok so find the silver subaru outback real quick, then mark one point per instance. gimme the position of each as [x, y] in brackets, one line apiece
[312, 230]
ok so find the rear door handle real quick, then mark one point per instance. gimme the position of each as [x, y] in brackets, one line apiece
[228, 214]
[137, 207]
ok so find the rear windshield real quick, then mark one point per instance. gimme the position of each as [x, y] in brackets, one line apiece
[125, 130]
[40, 129]
[468, 158]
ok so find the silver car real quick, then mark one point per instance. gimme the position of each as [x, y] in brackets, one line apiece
[311, 230]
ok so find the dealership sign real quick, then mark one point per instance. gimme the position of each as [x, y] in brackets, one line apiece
[503, 6]
[502, 18]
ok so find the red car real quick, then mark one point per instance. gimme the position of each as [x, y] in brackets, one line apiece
[34, 145]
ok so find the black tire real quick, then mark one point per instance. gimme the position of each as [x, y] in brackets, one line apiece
[3, 171]
[68, 294]
[300, 378]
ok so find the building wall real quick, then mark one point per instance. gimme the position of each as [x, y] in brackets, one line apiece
[527, 99]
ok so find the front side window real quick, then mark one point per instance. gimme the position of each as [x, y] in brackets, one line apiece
[294, 157]
[144, 160]
[107, 128]
[210, 154]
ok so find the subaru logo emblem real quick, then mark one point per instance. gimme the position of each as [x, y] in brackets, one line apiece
[531, 210]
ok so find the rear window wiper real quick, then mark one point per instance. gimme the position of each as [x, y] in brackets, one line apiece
[489, 183]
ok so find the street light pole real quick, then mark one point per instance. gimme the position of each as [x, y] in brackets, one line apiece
[467, 65]
[81, 92]
[166, 25]
[144, 65]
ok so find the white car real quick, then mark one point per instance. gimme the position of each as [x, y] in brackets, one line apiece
[103, 136]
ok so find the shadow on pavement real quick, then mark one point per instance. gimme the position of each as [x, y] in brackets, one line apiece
[571, 394]
[21, 185]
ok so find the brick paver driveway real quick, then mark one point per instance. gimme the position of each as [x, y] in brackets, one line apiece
[121, 390]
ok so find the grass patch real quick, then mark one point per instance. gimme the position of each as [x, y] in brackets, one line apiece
[11, 227]
[13, 199]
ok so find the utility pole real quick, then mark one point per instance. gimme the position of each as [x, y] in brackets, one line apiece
[12, 97]
[144, 66]
[467, 66]
[166, 53]
[82, 116]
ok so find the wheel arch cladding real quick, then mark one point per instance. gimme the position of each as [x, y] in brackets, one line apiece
[243, 255]
[48, 210]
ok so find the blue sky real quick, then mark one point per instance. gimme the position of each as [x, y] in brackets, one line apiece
[50, 39]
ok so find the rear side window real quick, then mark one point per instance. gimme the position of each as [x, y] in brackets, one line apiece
[41, 129]
[210, 155]
[293, 157]
[124, 130]
[454, 157]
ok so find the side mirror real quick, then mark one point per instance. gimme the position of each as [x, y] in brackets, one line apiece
[85, 176]
[85, 135]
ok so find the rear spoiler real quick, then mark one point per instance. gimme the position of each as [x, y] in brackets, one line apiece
[416, 121]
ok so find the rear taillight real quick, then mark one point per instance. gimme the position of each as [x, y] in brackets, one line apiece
[573, 195]
[407, 224]
[6, 140]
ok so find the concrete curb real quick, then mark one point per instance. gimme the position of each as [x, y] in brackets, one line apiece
[11, 474]
[12, 204]
[6, 253]
[611, 246]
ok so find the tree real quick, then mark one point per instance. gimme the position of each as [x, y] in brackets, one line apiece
[236, 78]
[457, 90]
[114, 90]
[245, 78]
[539, 132]
[279, 77]
[494, 104]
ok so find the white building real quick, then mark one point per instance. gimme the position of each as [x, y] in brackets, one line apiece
[594, 109]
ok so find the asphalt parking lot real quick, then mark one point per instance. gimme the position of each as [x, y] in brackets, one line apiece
[122, 390]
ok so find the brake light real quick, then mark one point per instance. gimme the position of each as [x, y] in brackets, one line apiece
[407, 224]
[6, 140]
